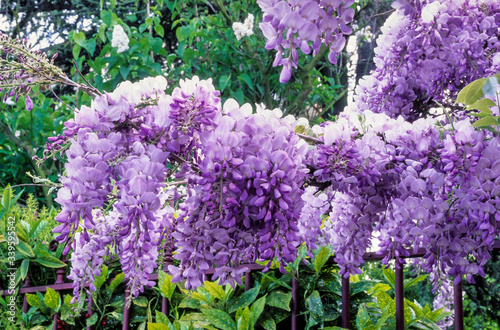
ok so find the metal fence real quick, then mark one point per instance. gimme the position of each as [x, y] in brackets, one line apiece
[60, 286]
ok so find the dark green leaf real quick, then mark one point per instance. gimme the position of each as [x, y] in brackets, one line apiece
[257, 308]
[99, 280]
[363, 319]
[279, 299]
[411, 282]
[220, 319]
[25, 249]
[140, 301]
[92, 320]
[244, 299]
[107, 17]
[50, 262]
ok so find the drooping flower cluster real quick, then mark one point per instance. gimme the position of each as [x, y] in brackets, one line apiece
[428, 51]
[119, 39]
[243, 29]
[414, 185]
[243, 173]
[246, 200]
[305, 24]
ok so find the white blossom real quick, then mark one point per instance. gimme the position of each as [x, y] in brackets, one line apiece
[120, 39]
[244, 29]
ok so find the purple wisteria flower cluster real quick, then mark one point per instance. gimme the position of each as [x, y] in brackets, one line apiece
[414, 185]
[246, 201]
[428, 51]
[243, 173]
[289, 25]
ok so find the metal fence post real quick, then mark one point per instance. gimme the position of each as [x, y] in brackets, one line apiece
[458, 306]
[346, 303]
[400, 298]
[295, 301]
[248, 280]
[126, 311]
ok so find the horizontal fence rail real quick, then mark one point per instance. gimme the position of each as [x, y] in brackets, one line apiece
[60, 286]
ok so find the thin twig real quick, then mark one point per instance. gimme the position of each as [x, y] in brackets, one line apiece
[85, 79]
[29, 184]
[57, 97]
[310, 138]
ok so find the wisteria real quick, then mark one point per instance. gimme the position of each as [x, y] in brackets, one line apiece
[427, 52]
[256, 187]
[305, 25]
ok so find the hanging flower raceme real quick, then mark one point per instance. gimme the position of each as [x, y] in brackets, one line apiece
[305, 25]
[246, 200]
[428, 51]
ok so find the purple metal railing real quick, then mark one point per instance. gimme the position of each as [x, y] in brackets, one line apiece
[60, 286]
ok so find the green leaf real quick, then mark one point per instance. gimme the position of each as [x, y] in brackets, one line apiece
[383, 318]
[224, 81]
[107, 17]
[215, 290]
[244, 299]
[279, 299]
[383, 300]
[158, 326]
[76, 51]
[472, 92]
[219, 319]
[360, 286]
[363, 319]
[33, 300]
[257, 308]
[125, 70]
[50, 262]
[102, 32]
[140, 301]
[92, 320]
[268, 323]
[490, 87]
[159, 29]
[246, 78]
[99, 280]
[411, 282]
[25, 249]
[390, 277]
[378, 287]
[162, 318]
[188, 55]
[482, 105]
[24, 268]
[116, 281]
[315, 307]
[196, 319]
[112, 4]
[52, 299]
[165, 284]
[321, 258]
[486, 121]
[79, 37]
[244, 320]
